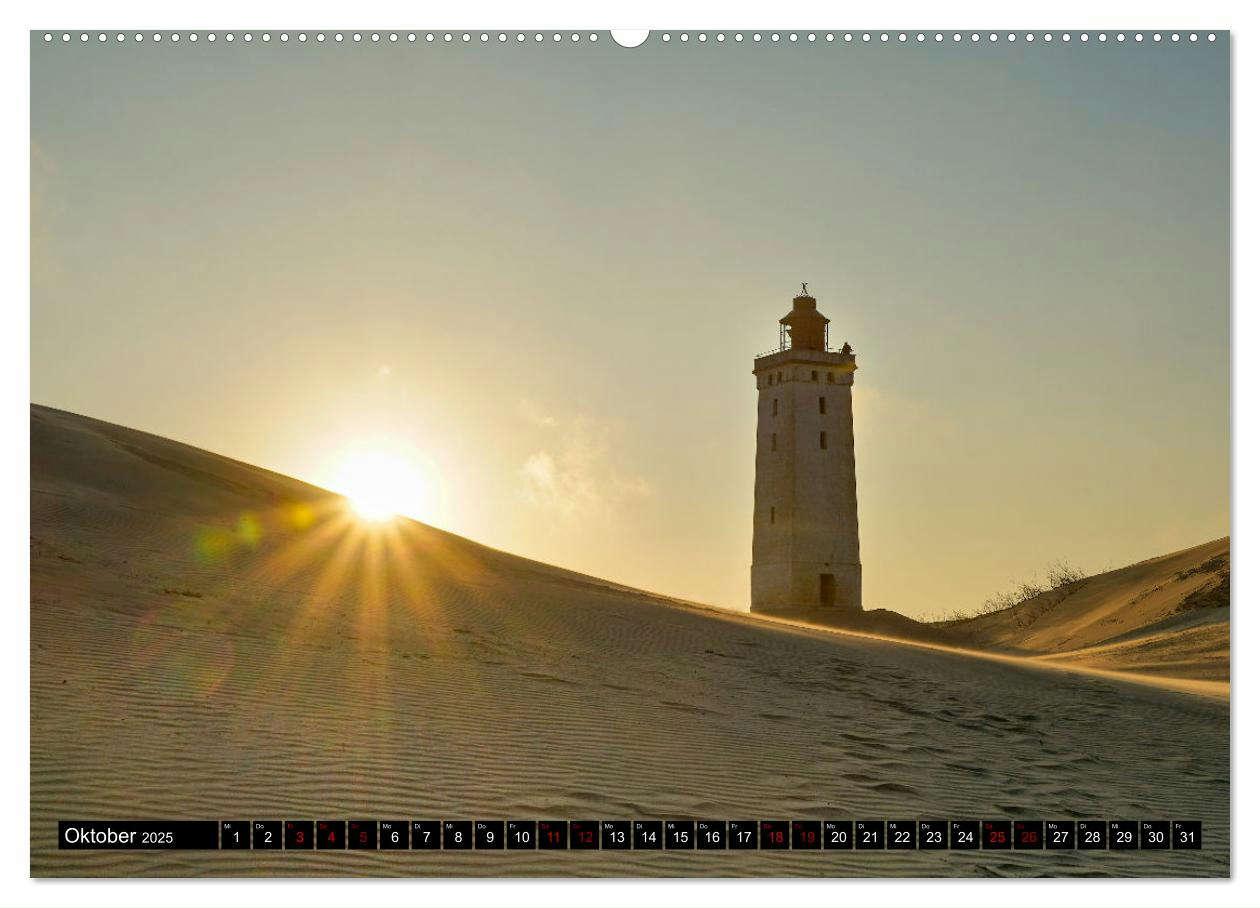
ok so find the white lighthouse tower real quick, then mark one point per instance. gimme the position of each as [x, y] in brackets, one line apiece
[805, 525]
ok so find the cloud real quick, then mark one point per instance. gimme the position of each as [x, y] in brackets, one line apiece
[576, 471]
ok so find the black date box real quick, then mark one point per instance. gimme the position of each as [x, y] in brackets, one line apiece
[1155, 834]
[553, 835]
[1030, 834]
[1122, 835]
[806, 834]
[361, 834]
[1187, 834]
[267, 834]
[995, 834]
[299, 835]
[775, 835]
[394, 835]
[868, 835]
[1091, 835]
[900, 835]
[426, 835]
[330, 833]
[964, 835]
[837, 834]
[522, 835]
[234, 834]
[933, 835]
[615, 835]
[584, 835]
[648, 834]
[680, 834]
[488, 834]
[741, 835]
[1060, 834]
[711, 835]
[457, 835]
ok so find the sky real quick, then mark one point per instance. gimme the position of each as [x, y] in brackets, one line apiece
[525, 284]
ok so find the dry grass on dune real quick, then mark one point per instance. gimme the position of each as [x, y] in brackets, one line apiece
[211, 640]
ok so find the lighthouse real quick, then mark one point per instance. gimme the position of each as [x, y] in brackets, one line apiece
[805, 559]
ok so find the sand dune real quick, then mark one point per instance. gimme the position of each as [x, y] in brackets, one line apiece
[211, 640]
[1165, 619]
[1164, 616]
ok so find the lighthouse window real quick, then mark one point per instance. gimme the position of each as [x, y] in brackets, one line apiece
[779, 378]
[822, 405]
[831, 378]
[813, 376]
[822, 440]
[774, 441]
[772, 514]
[774, 407]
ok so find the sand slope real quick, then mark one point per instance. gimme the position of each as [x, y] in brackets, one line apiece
[1166, 616]
[213, 640]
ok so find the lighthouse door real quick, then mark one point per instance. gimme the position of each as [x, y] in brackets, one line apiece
[827, 589]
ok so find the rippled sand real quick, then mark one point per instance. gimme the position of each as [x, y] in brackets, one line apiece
[210, 640]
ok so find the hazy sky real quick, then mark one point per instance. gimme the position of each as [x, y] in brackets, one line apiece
[532, 280]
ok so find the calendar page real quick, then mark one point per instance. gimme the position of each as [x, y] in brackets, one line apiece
[586, 453]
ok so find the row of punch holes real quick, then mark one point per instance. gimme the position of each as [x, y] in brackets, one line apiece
[663, 37]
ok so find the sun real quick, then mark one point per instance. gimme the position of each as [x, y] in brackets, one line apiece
[372, 508]
[381, 483]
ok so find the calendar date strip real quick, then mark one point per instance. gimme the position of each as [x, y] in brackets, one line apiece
[629, 835]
